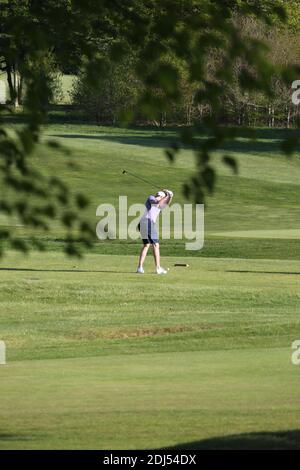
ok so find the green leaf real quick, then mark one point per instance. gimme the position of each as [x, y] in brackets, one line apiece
[231, 162]
[290, 145]
[208, 176]
[81, 200]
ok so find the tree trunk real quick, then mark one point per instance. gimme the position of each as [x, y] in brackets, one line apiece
[162, 120]
[15, 84]
[200, 111]
[20, 89]
[288, 117]
[10, 83]
[189, 108]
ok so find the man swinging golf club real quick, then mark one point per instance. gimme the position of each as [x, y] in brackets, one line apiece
[154, 205]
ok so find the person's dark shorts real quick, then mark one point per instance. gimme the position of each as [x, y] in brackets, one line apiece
[148, 232]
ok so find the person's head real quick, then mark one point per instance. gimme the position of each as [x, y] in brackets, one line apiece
[159, 195]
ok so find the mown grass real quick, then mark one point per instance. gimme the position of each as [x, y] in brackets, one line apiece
[93, 364]
[150, 400]
[264, 196]
[99, 357]
[53, 307]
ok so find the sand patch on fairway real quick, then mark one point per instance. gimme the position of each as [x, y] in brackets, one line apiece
[137, 333]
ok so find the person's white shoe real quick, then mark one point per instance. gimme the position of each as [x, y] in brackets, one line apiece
[161, 271]
[140, 270]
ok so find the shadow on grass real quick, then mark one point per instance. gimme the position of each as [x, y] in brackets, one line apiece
[66, 270]
[161, 141]
[254, 441]
[143, 141]
[289, 273]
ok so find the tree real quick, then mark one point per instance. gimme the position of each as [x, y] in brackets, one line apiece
[116, 92]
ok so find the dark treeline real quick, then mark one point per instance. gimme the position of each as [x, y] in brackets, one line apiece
[118, 91]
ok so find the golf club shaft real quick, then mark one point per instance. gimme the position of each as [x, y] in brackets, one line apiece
[141, 179]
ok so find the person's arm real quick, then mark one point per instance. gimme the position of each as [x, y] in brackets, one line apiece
[166, 200]
[170, 193]
[154, 202]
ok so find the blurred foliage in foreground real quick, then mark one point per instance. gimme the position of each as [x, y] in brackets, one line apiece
[92, 37]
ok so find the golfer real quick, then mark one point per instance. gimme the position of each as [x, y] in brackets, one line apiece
[154, 205]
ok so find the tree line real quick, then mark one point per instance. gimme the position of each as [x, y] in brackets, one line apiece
[118, 92]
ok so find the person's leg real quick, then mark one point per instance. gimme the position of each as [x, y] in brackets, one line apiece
[143, 254]
[156, 254]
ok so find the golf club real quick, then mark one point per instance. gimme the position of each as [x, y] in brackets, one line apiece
[141, 179]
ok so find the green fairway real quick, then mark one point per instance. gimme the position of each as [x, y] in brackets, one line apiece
[93, 364]
[147, 400]
[100, 357]
[261, 202]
